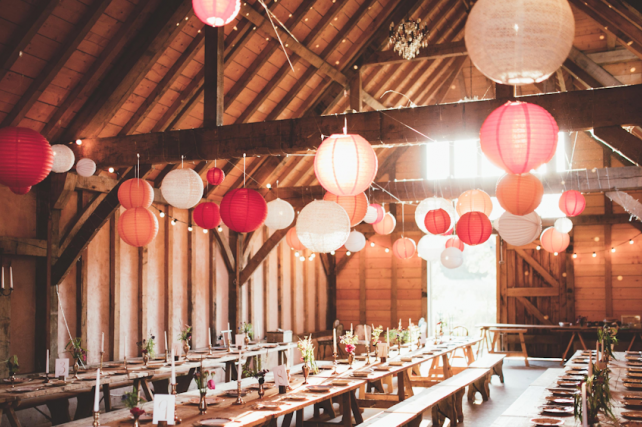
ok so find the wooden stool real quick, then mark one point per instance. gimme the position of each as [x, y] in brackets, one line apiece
[498, 331]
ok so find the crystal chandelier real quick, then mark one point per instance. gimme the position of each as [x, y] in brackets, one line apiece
[408, 37]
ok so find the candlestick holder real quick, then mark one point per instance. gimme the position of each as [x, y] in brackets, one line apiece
[367, 353]
[334, 371]
[46, 378]
[96, 422]
[239, 397]
[102, 353]
[176, 419]
[210, 346]
[4, 293]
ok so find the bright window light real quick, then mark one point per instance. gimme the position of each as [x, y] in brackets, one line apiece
[560, 154]
[438, 160]
[466, 159]
[489, 169]
[549, 208]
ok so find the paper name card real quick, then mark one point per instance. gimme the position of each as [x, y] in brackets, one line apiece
[281, 376]
[382, 350]
[62, 368]
[164, 405]
[226, 338]
[240, 340]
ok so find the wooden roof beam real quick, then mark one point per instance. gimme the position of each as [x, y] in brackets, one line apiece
[435, 51]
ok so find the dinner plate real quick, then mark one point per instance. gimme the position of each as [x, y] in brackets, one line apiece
[319, 388]
[631, 363]
[633, 386]
[265, 386]
[560, 400]
[382, 368]
[563, 392]
[635, 358]
[360, 358]
[267, 407]
[632, 402]
[406, 359]
[395, 363]
[634, 369]
[569, 383]
[557, 410]
[297, 397]
[573, 377]
[325, 367]
[635, 396]
[360, 374]
[210, 400]
[342, 361]
[632, 380]
[341, 382]
[213, 422]
[269, 345]
[632, 415]
[631, 424]
[547, 422]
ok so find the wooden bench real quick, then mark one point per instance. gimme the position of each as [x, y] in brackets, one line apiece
[498, 331]
[494, 362]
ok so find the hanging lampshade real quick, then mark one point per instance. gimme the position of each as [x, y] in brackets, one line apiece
[182, 188]
[374, 214]
[215, 176]
[572, 203]
[243, 210]
[404, 248]
[26, 158]
[430, 204]
[519, 230]
[519, 194]
[137, 226]
[519, 42]
[355, 206]
[474, 228]
[356, 241]
[553, 241]
[563, 225]
[452, 258]
[345, 165]
[293, 240]
[280, 214]
[323, 226]
[474, 201]
[135, 193]
[386, 225]
[216, 13]
[437, 221]
[86, 167]
[207, 215]
[63, 159]
[518, 137]
[454, 242]
[430, 247]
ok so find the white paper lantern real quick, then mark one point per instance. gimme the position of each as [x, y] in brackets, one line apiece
[280, 214]
[356, 241]
[63, 158]
[563, 225]
[452, 257]
[86, 167]
[182, 188]
[519, 230]
[430, 204]
[519, 42]
[371, 215]
[323, 226]
[431, 246]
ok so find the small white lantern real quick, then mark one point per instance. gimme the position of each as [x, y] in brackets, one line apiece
[323, 226]
[452, 257]
[519, 230]
[430, 204]
[431, 246]
[371, 215]
[563, 225]
[182, 188]
[280, 214]
[86, 167]
[63, 158]
[356, 241]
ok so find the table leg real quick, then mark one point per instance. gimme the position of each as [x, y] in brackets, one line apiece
[107, 397]
[146, 389]
[401, 386]
[470, 355]
[59, 410]
[347, 409]
[161, 386]
[447, 371]
[568, 347]
[85, 406]
[299, 418]
[12, 417]
[495, 337]
[183, 382]
[632, 341]
[287, 420]
[229, 370]
[579, 335]
[356, 411]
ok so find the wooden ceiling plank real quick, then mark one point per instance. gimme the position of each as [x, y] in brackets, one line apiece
[435, 51]
[616, 19]
[621, 140]
[448, 78]
[603, 77]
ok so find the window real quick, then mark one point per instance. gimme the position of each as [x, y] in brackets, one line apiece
[467, 159]
[438, 164]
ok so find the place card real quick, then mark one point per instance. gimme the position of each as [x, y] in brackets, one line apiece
[164, 405]
[382, 350]
[281, 376]
[62, 368]
[240, 340]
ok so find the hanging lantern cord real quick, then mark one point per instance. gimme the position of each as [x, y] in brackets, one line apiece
[243, 170]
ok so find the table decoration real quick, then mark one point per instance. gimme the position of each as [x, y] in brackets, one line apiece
[147, 348]
[203, 381]
[213, 422]
[607, 339]
[78, 353]
[350, 341]
[307, 356]
[260, 376]
[13, 367]
[248, 330]
[132, 400]
[595, 397]
[185, 337]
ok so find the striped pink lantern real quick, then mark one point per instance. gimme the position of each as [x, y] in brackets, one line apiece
[404, 248]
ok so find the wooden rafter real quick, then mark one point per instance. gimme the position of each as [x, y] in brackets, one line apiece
[537, 267]
[621, 140]
[262, 253]
[435, 51]
[534, 310]
[228, 255]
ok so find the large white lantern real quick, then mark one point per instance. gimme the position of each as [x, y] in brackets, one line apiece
[430, 247]
[356, 241]
[452, 257]
[323, 226]
[182, 188]
[519, 42]
[63, 158]
[431, 204]
[86, 167]
[519, 230]
[280, 214]
[563, 225]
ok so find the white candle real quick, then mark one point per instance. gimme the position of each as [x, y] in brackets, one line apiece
[209, 336]
[173, 379]
[351, 328]
[334, 340]
[166, 348]
[11, 276]
[239, 372]
[3, 277]
[47, 362]
[584, 414]
[388, 336]
[102, 344]
[228, 326]
[97, 396]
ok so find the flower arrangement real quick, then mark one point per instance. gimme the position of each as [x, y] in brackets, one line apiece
[12, 365]
[598, 396]
[186, 334]
[392, 336]
[74, 348]
[307, 353]
[147, 346]
[607, 336]
[376, 333]
[260, 375]
[204, 381]
[132, 400]
[350, 341]
[247, 328]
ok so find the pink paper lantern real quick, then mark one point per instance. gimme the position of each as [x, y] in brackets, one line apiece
[572, 203]
[216, 13]
[386, 225]
[26, 158]
[243, 210]
[404, 248]
[455, 242]
[553, 241]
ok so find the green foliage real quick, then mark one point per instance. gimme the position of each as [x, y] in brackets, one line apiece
[607, 336]
[148, 346]
[186, 334]
[12, 365]
[74, 348]
[247, 328]
[598, 396]
[132, 399]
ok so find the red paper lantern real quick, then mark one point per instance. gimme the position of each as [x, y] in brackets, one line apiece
[206, 215]
[572, 203]
[293, 240]
[474, 228]
[137, 227]
[386, 225]
[519, 194]
[455, 242]
[437, 221]
[216, 13]
[243, 210]
[26, 158]
[519, 136]
[380, 212]
[355, 206]
[553, 241]
[215, 176]
[404, 248]
[135, 193]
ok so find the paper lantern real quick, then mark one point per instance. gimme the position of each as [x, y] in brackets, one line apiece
[572, 203]
[374, 214]
[137, 226]
[216, 13]
[355, 206]
[563, 225]
[474, 201]
[386, 225]
[86, 167]
[519, 230]
[454, 242]
[323, 226]
[452, 258]
[356, 241]
[135, 193]
[215, 176]
[430, 247]
[207, 215]
[430, 204]
[474, 228]
[182, 188]
[553, 241]
[63, 159]
[519, 194]
[518, 137]
[519, 42]
[293, 240]
[437, 221]
[404, 248]
[345, 165]
[243, 210]
[280, 214]
[26, 158]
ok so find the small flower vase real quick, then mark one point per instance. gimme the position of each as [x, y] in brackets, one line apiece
[247, 340]
[306, 373]
[76, 368]
[350, 359]
[145, 358]
[202, 404]
[261, 388]
[136, 416]
[185, 348]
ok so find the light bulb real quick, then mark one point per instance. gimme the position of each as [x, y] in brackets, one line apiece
[630, 242]
[555, 253]
[189, 228]
[269, 186]
[387, 250]
[372, 245]
[111, 170]
[538, 247]
[173, 222]
[348, 253]
[332, 253]
[220, 228]
[79, 142]
[311, 258]
[205, 230]
[594, 255]
[574, 255]
[612, 249]
[296, 254]
[162, 214]
[302, 258]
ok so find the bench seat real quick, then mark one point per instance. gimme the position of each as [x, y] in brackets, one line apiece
[494, 362]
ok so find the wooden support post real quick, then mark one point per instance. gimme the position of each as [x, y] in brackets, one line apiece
[266, 284]
[424, 291]
[213, 288]
[143, 290]
[114, 289]
[305, 292]
[362, 285]
[169, 276]
[234, 295]
[213, 84]
[293, 286]
[331, 308]
[570, 285]
[191, 273]
[608, 266]
[317, 311]
[279, 285]
[83, 284]
[393, 288]
[356, 92]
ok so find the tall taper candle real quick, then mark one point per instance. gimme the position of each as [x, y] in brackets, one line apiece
[3, 277]
[11, 276]
[97, 395]
[584, 410]
[102, 344]
[166, 348]
[590, 366]
[173, 379]
[388, 336]
[209, 336]
[334, 340]
[47, 362]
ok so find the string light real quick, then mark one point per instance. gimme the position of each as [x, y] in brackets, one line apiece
[555, 253]
[162, 214]
[594, 254]
[302, 258]
[348, 253]
[332, 253]
[538, 247]
[574, 255]
[220, 229]
[205, 231]
[268, 186]
[189, 228]
[79, 142]
[111, 170]
[630, 241]
[612, 249]
[372, 245]
[387, 250]
[296, 254]
[174, 221]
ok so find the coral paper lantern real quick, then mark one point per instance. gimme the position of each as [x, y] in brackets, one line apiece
[563, 225]
[518, 137]
[86, 167]
[404, 248]
[293, 240]
[356, 241]
[182, 188]
[437, 221]
[452, 258]
[474, 228]
[243, 210]
[216, 13]
[345, 165]
[519, 230]
[572, 203]
[323, 226]
[519, 42]
[135, 193]
[553, 241]
[430, 247]
[386, 225]
[207, 215]
[374, 214]
[454, 242]
[431, 204]
[26, 158]
[63, 158]
[215, 176]
[137, 226]
[474, 201]
[355, 206]
[280, 214]
[519, 194]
